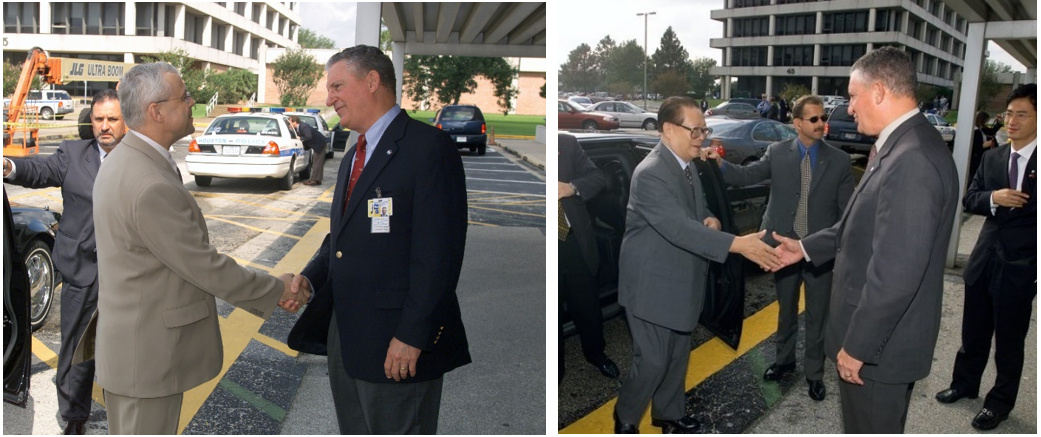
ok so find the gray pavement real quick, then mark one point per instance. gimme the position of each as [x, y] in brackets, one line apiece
[531, 151]
[795, 413]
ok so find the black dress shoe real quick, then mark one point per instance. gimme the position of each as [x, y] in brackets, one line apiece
[952, 395]
[988, 419]
[777, 371]
[75, 427]
[817, 390]
[685, 425]
[609, 369]
[624, 428]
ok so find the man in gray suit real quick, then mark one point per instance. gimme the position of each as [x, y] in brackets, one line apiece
[889, 249]
[670, 237]
[810, 184]
[73, 167]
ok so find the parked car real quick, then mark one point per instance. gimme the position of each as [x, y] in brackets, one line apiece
[465, 123]
[251, 145]
[748, 100]
[617, 156]
[338, 138]
[841, 132]
[572, 116]
[49, 104]
[628, 114]
[34, 230]
[316, 121]
[946, 130]
[745, 141]
[733, 110]
[582, 101]
[830, 102]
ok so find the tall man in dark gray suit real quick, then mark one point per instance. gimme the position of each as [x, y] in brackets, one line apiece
[578, 181]
[810, 184]
[1001, 277]
[670, 237]
[889, 249]
[73, 167]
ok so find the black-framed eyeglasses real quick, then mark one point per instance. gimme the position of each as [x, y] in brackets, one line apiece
[186, 98]
[822, 118]
[696, 132]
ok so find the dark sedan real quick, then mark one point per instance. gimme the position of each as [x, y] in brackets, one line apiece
[745, 141]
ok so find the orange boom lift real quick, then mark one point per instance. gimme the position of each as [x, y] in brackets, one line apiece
[50, 70]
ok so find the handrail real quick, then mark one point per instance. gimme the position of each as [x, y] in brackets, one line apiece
[252, 100]
[211, 104]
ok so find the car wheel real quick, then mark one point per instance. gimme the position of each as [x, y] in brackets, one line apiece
[482, 148]
[40, 268]
[287, 181]
[203, 181]
[589, 125]
[473, 149]
[305, 174]
[650, 124]
[47, 113]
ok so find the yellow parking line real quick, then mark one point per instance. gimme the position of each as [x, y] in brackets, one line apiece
[704, 361]
[50, 358]
[495, 197]
[243, 262]
[267, 231]
[275, 344]
[507, 211]
[520, 203]
[286, 211]
[469, 192]
[482, 224]
[33, 193]
[327, 195]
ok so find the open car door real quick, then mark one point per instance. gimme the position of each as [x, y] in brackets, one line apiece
[723, 310]
[17, 331]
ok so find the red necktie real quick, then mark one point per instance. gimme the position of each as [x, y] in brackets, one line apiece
[359, 162]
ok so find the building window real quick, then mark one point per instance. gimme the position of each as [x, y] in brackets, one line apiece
[147, 16]
[239, 39]
[750, 3]
[21, 17]
[758, 26]
[841, 55]
[791, 2]
[112, 19]
[748, 56]
[845, 22]
[796, 24]
[793, 56]
[257, 8]
[254, 50]
[240, 8]
[171, 20]
[270, 20]
[281, 25]
[193, 27]
[888, 20]
[218, 35]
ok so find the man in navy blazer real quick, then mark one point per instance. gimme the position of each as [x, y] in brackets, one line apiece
[1001, 276]
[73, 167]
[385, 282]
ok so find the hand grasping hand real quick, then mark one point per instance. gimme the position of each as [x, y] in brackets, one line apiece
[296, 294]
[788, 252]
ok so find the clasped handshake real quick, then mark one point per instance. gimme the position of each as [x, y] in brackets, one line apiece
[771, 259]
[296, 294]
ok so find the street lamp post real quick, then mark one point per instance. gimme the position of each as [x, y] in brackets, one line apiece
[645, 15]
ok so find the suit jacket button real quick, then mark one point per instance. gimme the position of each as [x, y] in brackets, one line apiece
[339, 254]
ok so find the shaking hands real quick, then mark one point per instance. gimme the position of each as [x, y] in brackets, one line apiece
[296, 294]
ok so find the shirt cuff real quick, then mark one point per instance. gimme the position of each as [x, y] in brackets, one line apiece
[805, 255]
[993, 206]
[10, 177]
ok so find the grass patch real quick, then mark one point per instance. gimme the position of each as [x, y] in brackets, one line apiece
[199, 110]
[503, 124]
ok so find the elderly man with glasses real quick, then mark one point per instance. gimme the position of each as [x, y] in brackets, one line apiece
[810, 183]
[670, 237]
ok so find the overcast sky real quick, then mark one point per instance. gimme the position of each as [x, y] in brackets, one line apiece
[690, 19]
[333, 20]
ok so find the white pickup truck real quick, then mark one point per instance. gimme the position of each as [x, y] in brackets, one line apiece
[50, 104]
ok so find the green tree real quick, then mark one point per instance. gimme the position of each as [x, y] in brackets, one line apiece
[990, 84]
[386, 43]
[701, 79]
[296, 73]
[235, 85]
[671, 83]
[602, 54]
[542, 91]
[578, 74]
[310, 39]
[12, 73]
[671, 56]
[624, 70]
[194, 78]
[449, 77]
[792, 91]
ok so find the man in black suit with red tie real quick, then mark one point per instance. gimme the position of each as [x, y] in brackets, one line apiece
[385, 305]
[1000, 279]
[578, 181]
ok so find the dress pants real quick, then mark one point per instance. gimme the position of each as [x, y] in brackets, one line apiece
[875, 407]
[143, 416]
[818, 294]
[364, 407]
[657, 374]
[317, 165]
[75, 383]
[994, 307]
[579, 290]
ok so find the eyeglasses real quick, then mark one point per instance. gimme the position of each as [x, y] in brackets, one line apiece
[1022, 115]
[696, 132]
[814, 119]
[186, 98]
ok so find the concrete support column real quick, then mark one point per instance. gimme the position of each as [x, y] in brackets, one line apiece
[367, 28]
[262, 73]
[769, 86]
[820, 23]
[815, 86]
[906, 26]
[45, 17]
[128, 58]
[229, 39]
[770, 56]
[179, 11]
[248, 12]
[161, 20]
[730, 28]
[207, 32]
[729, 61]
[872, 16]
[398, 57]
[129, 18]
[247, 45]
[773, 25]
[724, 88]
[976, 46]
[870, 47]
[817, 55]
[1031, 75]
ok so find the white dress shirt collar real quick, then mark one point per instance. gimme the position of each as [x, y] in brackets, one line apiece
[162, 151]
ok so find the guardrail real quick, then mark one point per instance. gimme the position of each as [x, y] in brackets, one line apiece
[252, 101]
[211, 104]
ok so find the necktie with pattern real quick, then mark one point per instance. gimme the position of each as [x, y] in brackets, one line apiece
[1013, 172]
[562, 226]
[801, 221]
[871, 155]
[690, 179]
[359, 162]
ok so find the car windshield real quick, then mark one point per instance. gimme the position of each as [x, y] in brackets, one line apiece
[576, 107]
[246, 126]
[458, 113]
[582, 100]
[310, 121]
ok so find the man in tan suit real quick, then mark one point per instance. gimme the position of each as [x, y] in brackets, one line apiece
[157, 325]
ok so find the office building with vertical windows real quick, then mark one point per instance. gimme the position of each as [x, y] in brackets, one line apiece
[769, 44]
[219, 35]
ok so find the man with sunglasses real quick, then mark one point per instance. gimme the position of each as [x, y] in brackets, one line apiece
[670, 237]
[810, 183]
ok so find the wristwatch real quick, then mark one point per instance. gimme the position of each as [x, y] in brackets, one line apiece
[575, 189]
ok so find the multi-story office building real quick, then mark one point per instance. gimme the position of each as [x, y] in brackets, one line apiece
[219, 35]
[771, 43]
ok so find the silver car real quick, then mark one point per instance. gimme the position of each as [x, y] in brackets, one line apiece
[628, 114]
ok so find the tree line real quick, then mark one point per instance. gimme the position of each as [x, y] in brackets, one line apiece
[617, 68]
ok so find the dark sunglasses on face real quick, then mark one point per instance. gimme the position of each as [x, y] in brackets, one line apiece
[814, 119]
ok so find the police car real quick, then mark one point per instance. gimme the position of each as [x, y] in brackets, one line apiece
[254, 145]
